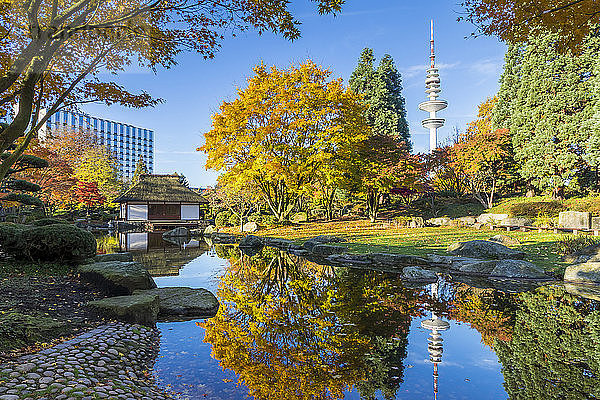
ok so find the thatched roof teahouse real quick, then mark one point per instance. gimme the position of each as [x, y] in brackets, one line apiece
[162, 198]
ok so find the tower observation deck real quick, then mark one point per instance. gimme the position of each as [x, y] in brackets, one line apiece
[433, 105]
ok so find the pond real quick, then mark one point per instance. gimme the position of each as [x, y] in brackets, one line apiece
[292, 329]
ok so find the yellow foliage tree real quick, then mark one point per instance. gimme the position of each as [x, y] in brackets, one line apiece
[283, 127]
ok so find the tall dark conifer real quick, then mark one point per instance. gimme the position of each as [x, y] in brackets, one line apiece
[382, 92]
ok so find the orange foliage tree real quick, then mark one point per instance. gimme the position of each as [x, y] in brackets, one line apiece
[516, 20]
[52, 51]
[485, 156]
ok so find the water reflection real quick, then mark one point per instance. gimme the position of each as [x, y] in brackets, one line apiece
[292, 329]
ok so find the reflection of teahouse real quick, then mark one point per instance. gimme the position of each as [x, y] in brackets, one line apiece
[435, 347]
[162, 201]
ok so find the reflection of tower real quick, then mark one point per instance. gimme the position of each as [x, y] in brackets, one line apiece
[435, 347]
[433, 105]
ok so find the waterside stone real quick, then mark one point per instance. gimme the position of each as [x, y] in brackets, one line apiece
[484, 249]
[117, 277]
[138, 308]
[183, 302]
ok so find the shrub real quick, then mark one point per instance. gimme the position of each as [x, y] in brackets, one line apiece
[573, 243]
[535, 208]
[57, 242]
[234, 220]
[222, 218]
[48, 221]
[10, 237]
[270, 220]
[256, 217]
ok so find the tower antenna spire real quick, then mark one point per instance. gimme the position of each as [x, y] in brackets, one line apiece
[432, 56]
[433, 105]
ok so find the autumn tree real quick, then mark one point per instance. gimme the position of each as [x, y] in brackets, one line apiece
[57, 181]
[97, 165]
[485, 156]
[88, 195]
[515, 21]
[379, 164]
[283, 127]
[51, 51]
[236, 196]
[140, 169]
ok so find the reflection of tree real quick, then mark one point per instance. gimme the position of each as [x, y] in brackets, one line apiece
[488, 311]
[297, 330]
[555, 348]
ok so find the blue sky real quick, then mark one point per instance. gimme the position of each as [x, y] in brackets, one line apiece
[194, 89]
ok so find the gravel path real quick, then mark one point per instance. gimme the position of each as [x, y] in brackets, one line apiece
[113, 361]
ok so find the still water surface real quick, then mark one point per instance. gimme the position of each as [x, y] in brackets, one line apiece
[292, 329]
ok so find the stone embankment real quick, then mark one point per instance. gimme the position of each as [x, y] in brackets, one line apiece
[478, 258]
[111, 361]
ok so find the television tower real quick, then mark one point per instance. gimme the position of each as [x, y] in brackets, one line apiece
[435, 345]
[433, 105]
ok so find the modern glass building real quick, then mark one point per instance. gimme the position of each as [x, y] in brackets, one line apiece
[127, 142]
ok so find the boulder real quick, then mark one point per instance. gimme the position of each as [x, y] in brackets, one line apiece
[505, 240]
[250, 227]
[390, 261]
[492, 219]
[177, 232]
[416, 222]
[475, 267]
[251, 241]
[299, 217]
[440, 221]
[112, 257]
[137, 308]
[574, 220]
[209, 230]
[322, 239]
[517, 269]
[224, 238]
[324, 250]
[588, 272]
[279, 243]
[588, 253]
[516, 221]
[484, 249]
[117, 277]
[591, 292]
[464, 221]
[418, 274]
[183, 302]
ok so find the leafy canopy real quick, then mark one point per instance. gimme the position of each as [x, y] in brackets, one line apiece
[282, 128]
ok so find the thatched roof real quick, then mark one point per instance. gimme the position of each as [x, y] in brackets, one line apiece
[160, 188]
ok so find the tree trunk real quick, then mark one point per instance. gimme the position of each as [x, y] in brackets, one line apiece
[372, 204]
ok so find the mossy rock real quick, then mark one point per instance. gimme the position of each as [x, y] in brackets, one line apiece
[137, 308]
[117, 278]
[184, 302]
[125, 257]
[18, 330]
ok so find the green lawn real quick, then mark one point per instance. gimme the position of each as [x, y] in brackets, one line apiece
[363, 237]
